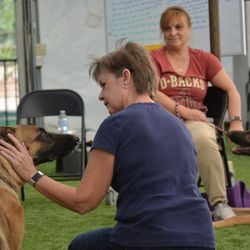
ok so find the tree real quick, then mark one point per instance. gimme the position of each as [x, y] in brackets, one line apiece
[7, 30]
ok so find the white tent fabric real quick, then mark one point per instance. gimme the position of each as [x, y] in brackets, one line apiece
[72, 32]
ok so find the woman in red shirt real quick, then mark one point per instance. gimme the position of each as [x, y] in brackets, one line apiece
[184, 74]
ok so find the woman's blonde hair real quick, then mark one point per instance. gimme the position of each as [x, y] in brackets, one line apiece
[173, 12]
[133, 57]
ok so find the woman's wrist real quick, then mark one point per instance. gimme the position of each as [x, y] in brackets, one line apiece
[177, 113]
[35, 178]
[235, 118]
[180, 111]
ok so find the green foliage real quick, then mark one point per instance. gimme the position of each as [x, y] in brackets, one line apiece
[7, 52]
[7, 30]
[50, 227]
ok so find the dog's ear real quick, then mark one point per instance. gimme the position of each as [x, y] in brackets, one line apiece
[4, 131]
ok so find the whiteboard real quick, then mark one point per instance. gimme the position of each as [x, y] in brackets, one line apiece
[232, 27]
[138, 20]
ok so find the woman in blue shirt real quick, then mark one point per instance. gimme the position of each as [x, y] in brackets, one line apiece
[145, 153]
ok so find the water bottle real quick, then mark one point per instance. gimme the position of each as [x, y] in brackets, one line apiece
[62, 122]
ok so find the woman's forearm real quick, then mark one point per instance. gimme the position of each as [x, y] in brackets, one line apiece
[166, 101]
[234, 103]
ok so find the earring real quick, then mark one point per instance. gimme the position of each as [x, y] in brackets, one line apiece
[125, 85]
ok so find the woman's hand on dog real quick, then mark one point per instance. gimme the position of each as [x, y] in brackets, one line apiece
[19, 157]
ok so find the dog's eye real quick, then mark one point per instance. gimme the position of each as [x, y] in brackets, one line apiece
[42, 131]
[44, 136]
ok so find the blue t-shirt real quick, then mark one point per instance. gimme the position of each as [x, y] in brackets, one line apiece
[159, 203]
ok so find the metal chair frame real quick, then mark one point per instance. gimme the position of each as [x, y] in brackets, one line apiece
[216, 101]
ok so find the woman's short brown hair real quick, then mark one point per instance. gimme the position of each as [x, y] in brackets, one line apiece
[170, 13]
[133, 57]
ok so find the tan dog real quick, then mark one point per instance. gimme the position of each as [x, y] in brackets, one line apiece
[43, 147]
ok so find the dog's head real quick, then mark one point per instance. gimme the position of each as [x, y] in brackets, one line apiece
[42, 145]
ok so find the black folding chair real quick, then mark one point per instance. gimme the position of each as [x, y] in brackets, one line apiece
[216, 101]
[37, 105]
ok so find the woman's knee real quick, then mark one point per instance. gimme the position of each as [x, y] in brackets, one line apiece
[206, 142]
[76, 243]
[204, 136]
[97, 239]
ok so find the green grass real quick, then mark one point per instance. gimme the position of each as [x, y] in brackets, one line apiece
[236, 237]
[51, 227]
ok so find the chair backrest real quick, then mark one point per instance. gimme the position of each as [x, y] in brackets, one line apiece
[42, 103]
[216, 101]
[49, 102]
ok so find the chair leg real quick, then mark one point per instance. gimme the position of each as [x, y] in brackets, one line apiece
[226, 166]
[22, 193]
[199, 181]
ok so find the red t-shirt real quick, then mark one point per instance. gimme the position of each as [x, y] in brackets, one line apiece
[190, 88]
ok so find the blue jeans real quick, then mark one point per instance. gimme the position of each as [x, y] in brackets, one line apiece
[94, 240]
[100, 240]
